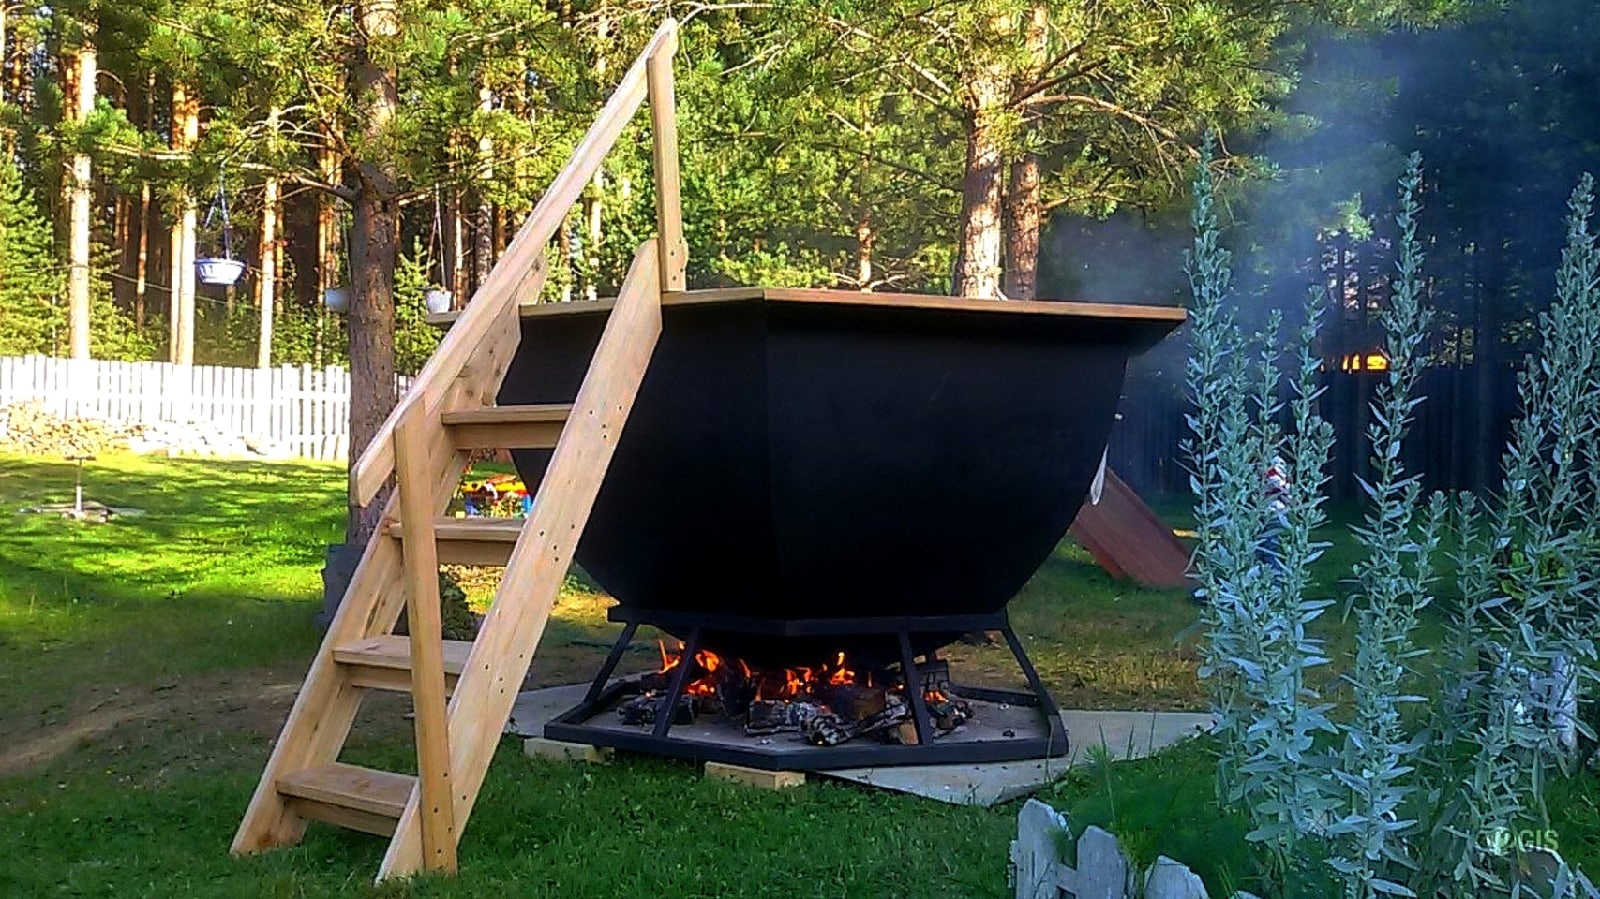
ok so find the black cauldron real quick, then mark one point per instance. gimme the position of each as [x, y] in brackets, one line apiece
[799, 454]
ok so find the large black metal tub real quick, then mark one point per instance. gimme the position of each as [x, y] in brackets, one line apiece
[828, 455]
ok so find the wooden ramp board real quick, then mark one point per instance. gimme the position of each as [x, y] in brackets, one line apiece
[1129, 540]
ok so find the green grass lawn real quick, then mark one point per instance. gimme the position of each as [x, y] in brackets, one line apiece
[147, 663]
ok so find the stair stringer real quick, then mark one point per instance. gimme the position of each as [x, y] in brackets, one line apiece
[487, 688]
[320, 719]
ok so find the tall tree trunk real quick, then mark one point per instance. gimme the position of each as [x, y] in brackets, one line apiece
[82, 192]
[866, 239]
[141, 269]
[978, 267]
[185, 135]
[1024, 205]
[456, 250]
[6, 140]
[483, 224]
[1024, 215]
[268, 290]
[267, 284]
[328, 236]
[375, 248]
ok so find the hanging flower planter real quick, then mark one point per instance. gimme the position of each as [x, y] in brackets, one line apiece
[337, 299]
[224, 270]
[221, 272]
[438, 300]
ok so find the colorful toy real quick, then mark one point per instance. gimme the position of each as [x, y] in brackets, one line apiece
[497, 496]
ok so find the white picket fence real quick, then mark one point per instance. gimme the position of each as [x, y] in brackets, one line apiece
[303, 410]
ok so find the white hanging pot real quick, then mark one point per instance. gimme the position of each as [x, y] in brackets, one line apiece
[337, 299]
[438, 300]
[218, 271]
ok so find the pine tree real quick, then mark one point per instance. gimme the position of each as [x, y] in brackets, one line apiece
[32, 319]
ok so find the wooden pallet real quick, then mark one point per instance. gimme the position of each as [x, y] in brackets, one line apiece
[424, 444]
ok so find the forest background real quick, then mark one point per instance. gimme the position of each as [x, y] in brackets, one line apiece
[1003, 148]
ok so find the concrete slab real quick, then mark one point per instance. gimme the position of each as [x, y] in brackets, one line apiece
[534, 708]
[1124, 735]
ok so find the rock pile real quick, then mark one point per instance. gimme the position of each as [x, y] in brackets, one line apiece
[27, 428]
[199, 439]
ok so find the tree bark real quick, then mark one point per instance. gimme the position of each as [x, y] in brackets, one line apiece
[375, 248]
[1024, 204]
[267, 284]
[141, 270]
[269, 271]
[978, 268]
[483, 225]
[185, 135]
[1023, 218]
[82, 196]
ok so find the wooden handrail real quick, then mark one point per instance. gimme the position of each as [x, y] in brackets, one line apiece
[521, 271]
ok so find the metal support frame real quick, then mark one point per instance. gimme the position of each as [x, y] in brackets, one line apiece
[574, 725]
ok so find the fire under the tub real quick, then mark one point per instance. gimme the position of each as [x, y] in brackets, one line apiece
[823, 705]
[832, 714]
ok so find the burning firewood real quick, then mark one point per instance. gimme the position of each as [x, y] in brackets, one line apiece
[772, 716]
[948, 713]
[646, 708]
[829, 729]
[852, 702]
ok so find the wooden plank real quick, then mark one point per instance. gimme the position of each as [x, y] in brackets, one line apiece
[471, 541]
[354, 819]
[392, 652]
[351, 786]
[557, 751]
[857, 298]
[664, 155]
[1128, 539]
[507, 427]
[543, 553]
[521, 269]
[755, 777]
[432, 726]
[390, 680]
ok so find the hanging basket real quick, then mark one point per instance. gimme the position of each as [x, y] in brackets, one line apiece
[221, 272]
[438, 300]
[337, 299]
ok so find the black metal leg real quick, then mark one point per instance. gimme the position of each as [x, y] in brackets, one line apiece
[680, 679]
[1047, 706]
[610, 665]
[913, 679]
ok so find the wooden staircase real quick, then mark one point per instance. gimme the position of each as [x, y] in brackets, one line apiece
[463, 692]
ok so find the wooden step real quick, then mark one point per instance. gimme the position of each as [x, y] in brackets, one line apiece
[384, 663]
[471, 541]
[349, 796]
[507, 427]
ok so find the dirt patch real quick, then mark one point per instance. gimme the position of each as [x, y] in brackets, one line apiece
[254, 701]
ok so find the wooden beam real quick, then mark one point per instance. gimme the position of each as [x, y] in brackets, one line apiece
[664, 154]
[507, 427]
[1174, 314]
[543, 552]
[755, 777]
[416, 477]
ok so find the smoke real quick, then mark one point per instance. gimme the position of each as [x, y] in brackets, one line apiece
[1501, 105]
